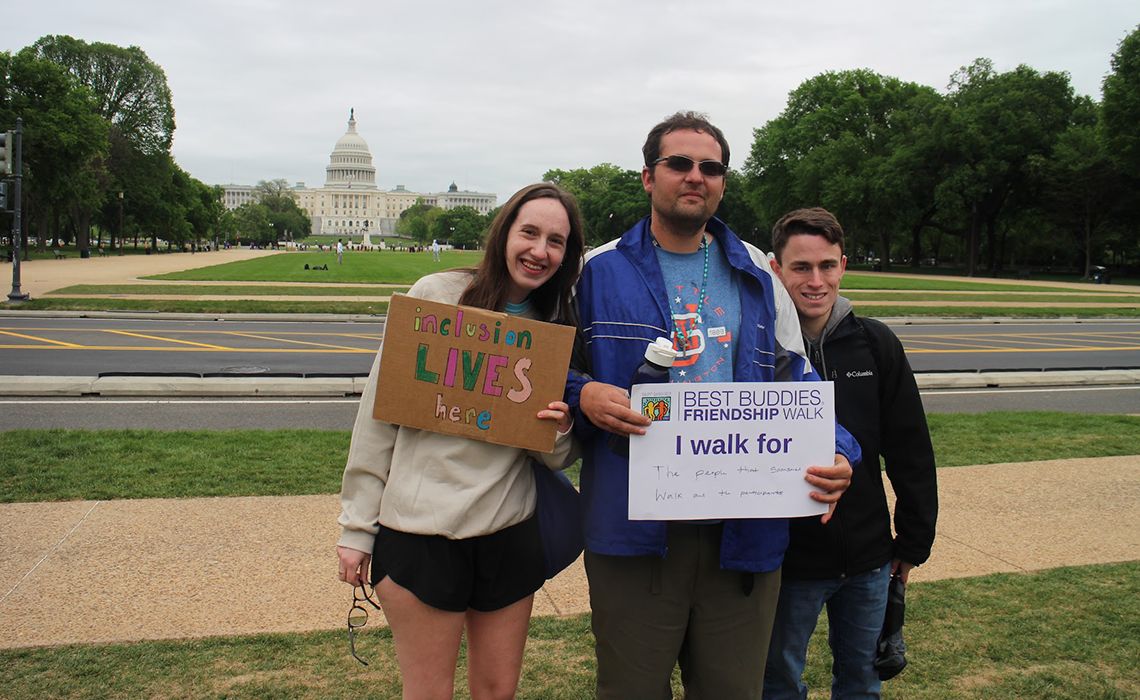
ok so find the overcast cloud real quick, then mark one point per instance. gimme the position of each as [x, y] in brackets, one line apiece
[492, 94]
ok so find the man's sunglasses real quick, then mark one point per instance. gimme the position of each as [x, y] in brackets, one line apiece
[684, 164]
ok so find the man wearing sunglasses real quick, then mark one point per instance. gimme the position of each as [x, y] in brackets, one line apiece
[701, 594]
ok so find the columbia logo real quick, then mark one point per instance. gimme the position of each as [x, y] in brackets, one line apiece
[861, 373]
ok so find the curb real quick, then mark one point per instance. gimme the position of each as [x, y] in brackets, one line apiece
[382, 318]
[173, 316]
[245, 386]
[181, 386]
[1040, 378]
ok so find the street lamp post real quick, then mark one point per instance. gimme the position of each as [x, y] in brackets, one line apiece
[120, 222]
[16, 296]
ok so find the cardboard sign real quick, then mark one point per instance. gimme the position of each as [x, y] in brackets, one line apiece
[729, 450]
[465, 371]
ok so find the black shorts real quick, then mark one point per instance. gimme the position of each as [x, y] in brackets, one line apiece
[484, 573]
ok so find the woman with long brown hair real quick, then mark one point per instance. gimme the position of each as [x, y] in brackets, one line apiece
[442, 525]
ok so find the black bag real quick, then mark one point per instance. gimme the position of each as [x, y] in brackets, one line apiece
[558, 507]
[890, 654]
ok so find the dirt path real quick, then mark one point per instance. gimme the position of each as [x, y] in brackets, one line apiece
[196, 567]
[38, 277]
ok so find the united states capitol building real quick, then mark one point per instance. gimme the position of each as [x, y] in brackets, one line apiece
[350, 204]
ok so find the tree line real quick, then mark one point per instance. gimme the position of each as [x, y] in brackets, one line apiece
[463, 226]
[1004, 168]
[1000, 169]
[98, 125]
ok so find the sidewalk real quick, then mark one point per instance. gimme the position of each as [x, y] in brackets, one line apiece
[38, 277]
[120, 571]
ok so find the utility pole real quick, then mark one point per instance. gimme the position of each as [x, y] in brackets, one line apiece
[13, 156]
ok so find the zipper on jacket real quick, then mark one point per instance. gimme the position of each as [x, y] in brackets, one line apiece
[815, 354]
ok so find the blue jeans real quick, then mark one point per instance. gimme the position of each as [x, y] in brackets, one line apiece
[856, 606]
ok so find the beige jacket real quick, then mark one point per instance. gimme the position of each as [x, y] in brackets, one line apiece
[430, 483]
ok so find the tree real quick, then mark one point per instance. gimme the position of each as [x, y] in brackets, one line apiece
[252, 224]
[64, 138]
[144, 180]
[737, 213]
[1082, 188]
[1120, 117]
[289, 220]
[997, 124]
[274, 188]
[461, 226]
[416, 222]
[611, 199]
[129, 89]
[837, 144]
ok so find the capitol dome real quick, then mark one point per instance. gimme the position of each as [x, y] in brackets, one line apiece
[350, 164]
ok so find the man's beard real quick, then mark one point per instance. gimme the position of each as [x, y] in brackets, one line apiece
[684, 217]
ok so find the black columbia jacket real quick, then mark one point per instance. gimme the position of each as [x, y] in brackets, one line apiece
[877, 401]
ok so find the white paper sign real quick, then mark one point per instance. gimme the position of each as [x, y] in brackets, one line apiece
[729, 450]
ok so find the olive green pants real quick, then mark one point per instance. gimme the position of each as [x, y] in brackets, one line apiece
[651, 613]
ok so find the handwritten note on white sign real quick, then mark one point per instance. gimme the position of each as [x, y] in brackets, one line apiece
[729, 450]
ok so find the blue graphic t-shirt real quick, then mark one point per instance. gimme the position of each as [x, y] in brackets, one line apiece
[703, 330]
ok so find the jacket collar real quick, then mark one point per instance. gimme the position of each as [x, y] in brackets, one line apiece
[637, 244]
[839, 312]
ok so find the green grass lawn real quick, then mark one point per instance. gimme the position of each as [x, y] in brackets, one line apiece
[60, 465]
[996, 298]
[189, 306]
[1010, 273]
[372, 267]
[869, 280]
[1062, 634]
[995, 310]
[234, 289]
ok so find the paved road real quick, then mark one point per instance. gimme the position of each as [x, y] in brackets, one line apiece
[1074, 399]
[1009, 345]
[90, 346]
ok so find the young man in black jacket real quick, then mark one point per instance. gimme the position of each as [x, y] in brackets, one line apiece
[846, 564]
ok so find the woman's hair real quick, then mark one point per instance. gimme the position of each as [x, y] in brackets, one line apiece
[489, 288]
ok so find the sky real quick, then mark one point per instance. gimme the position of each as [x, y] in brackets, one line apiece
[490, 95]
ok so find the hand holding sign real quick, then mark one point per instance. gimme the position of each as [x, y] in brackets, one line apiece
[730, 450]
[471, 372]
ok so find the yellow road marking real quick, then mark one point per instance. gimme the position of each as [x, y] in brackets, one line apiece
[286, 340]
[172, 340]
[925, 351]
[42, 340]
[200, 348]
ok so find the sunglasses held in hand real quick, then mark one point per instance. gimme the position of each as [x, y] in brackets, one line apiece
[684, 164]
[358, 616]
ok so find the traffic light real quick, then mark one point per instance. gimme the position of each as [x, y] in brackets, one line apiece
[3, 196]
[7, 141]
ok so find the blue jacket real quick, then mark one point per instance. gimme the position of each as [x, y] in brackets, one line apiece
[622, 304]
